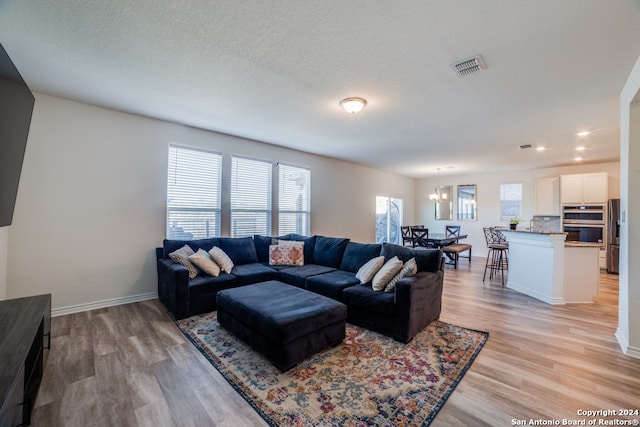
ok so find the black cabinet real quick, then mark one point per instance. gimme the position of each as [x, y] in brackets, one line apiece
[25, 338]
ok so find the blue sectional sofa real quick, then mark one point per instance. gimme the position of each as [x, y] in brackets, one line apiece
[330, 267]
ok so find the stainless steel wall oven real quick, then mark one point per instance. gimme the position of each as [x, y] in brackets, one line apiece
[585, 223]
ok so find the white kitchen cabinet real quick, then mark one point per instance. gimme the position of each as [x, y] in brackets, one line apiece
[583, 189]
[548, 196]
[596, 188]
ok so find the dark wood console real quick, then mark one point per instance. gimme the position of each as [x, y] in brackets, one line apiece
[25, 338]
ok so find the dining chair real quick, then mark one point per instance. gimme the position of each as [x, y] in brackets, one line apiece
[452, 230]
[407, 240]
[420, 237]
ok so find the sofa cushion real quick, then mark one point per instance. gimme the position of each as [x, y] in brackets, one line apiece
[357, 254]
[181, 256]
[328, 251]
[262, 244]
[297, 275]
[208, 284]
[426, 259]
[253, 273]
[386, 273]
[363, 296]
[331, 284]
[309, 244]
[203, 261]
[241, 250]
[172, 245]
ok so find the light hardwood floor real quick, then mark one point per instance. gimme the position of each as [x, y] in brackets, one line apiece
[130, 365]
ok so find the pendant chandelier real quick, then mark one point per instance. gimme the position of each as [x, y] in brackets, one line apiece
[436, 196]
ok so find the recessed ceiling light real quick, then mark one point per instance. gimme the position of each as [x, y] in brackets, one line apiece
[581, 148]
[577, 159]
[541, 148]
[583, 133]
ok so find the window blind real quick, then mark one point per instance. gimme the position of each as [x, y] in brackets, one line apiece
[294, 195]
[193, 193]
[510, 200]
[250, 197]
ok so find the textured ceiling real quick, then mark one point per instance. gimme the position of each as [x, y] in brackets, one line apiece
[275, 71]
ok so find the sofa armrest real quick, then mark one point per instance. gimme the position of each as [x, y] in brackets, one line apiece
[418, 303]
[173, 287]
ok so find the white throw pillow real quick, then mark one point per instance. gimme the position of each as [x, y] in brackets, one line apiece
[386, 273]
[408, 269]
[367, 272]
[289, 243]
[181, 256]
[203, 261]
[222, 259]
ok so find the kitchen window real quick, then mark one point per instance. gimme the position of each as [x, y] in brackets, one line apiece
[510, 200]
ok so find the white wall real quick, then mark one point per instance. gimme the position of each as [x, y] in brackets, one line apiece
[91, 204]
[4, 248]
[628, 333]
[488, 197]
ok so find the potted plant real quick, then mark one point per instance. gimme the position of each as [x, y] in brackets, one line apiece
[514, 222]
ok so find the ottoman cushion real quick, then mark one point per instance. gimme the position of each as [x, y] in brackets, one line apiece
[284, 323]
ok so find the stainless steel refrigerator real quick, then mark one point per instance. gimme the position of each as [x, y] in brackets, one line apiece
[613, 236]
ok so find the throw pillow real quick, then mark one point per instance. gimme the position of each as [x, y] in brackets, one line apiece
[222, 259]
[386, 273]
[367, 272]
[288, 254]
[181, 256]
[408, 269]
[203, 261]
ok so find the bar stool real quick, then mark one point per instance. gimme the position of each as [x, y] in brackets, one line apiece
[498, 255]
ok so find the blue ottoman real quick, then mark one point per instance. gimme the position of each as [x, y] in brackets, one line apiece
[284, 323]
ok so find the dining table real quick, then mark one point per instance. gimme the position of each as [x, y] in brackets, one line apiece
[441, 239]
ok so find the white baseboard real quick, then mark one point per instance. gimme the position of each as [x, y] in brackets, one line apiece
[626, 348]
[102, 304]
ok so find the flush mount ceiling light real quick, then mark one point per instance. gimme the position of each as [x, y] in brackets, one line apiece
[583, 133]
[353, 105]
[581, 148]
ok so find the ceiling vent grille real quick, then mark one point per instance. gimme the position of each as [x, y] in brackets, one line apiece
[468, 66]
[526, 146]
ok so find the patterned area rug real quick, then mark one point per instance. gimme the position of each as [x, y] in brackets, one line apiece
[368, 380]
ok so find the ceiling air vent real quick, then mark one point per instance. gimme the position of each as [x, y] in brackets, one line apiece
[468, 66]
[526, 146]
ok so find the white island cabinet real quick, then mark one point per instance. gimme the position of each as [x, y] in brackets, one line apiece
[544, 266]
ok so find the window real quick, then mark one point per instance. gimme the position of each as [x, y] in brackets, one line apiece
[388, 220]
[250, 197]
[193, 193]
[294, 194]
[510, 200]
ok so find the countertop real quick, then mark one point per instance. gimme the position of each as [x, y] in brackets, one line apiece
[582, 245]
[533, 232]
[569, 244]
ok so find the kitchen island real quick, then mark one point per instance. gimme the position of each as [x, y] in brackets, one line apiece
[543, 265]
